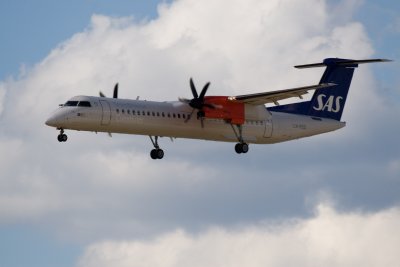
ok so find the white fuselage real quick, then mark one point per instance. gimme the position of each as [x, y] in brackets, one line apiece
[170, 119]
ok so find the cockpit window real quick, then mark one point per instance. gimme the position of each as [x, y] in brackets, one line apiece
[84, 104]
[77, 104]
[71, 104]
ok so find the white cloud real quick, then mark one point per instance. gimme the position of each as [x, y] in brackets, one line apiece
[30, 191]
[330, 238]
[258, 49]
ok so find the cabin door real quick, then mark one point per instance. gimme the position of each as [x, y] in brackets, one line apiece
[268, 128]
[106, 112]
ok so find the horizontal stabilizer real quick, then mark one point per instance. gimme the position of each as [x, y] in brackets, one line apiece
[341, 62]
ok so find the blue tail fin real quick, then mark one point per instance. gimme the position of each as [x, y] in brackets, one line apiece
[328, 102]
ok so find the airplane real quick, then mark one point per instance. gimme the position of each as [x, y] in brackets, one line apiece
[242, 119]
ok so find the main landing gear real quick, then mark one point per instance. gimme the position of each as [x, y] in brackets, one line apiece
[157, 152]
[62, 137]
[240, 147]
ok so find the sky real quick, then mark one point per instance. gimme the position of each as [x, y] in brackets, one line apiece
[328, 200]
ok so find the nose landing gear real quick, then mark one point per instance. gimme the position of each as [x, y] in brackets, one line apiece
[62, 137]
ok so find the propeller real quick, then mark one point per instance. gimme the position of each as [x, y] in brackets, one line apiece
[115, 94]
[197, 102]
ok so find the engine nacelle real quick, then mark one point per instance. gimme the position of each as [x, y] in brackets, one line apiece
[228, 110]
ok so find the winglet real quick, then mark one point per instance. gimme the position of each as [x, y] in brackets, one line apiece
[341, 62]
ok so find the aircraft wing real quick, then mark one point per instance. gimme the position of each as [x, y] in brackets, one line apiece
[275, 96]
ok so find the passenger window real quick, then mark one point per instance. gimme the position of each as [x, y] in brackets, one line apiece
[148, 113]
[123, 111]
[179, 116]
[158, 114]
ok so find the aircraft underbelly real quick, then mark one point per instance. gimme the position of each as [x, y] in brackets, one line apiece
[212, 130]
[282, 127]
[289, 126]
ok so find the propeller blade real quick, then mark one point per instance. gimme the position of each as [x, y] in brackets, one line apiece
[194, 91]
[115, 95]
[184, 100]
[101, 94]
[209, 106]
[190, 116]
[204, 91]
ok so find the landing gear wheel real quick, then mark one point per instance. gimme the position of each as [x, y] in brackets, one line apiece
[241, 148]
[160, 153]
[62, 138]
[157, 154]
[238, 148]
[153, 154]
[245, 148]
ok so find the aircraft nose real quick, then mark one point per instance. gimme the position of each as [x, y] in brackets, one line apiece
[54, 120]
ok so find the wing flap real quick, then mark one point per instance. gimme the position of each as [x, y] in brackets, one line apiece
[275, 96]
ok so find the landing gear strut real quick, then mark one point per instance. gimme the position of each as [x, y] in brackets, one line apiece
[62, 137]
[240, 147]
[157, 152]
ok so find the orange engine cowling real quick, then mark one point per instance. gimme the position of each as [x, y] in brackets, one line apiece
[228, 110]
